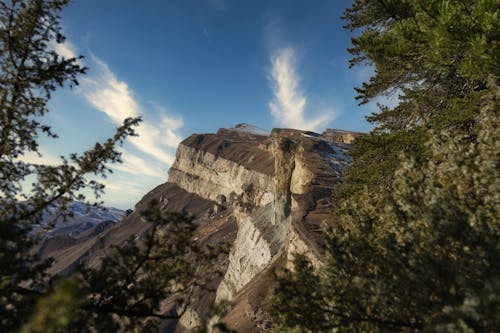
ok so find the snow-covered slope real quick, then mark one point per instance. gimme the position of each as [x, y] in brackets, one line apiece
[83, 219]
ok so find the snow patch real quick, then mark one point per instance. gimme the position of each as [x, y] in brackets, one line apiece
[83, 217]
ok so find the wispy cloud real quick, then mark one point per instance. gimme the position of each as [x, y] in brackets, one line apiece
[122, 187]
[44, 158]
[135, 165]
[157, 133]
[288, 106]
[65, 49]
[108, 94]
[131, 163]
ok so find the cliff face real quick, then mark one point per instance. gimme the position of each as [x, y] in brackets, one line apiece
[266, 194]
[277, 189]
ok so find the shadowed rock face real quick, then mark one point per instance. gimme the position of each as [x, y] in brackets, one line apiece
[267, 194]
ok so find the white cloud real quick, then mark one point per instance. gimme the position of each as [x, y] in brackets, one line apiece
[43, 159]
[158, 134]
[122, 187]
[109, 95]
[289, 102]
[169, 125]
[135, 165]
[131, 163]
[105, 92]
[65, 49]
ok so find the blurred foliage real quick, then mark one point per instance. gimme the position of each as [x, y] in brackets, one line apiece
[30, 71]
[136, 285]
[56, 309]
[413, 242]
[128, 288]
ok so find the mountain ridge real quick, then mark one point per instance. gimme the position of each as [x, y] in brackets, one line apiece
[266, 194]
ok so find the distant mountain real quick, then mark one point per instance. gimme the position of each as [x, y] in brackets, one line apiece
[83, 219]
[62, 238]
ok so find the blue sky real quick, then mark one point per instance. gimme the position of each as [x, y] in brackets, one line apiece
[195, 66]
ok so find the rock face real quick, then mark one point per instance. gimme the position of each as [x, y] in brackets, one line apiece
[277, 188]
[266, 194]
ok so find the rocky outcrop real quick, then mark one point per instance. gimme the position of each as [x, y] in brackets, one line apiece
[278, 189]
[218, 179]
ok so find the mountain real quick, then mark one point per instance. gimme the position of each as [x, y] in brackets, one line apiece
[82, 218]
[265, 194]
[84, 223]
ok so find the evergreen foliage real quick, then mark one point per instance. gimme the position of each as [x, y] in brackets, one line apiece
[126, 291]
[413, 242]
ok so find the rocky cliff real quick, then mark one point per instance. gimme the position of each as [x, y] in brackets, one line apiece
[265, 194]
[276, 189]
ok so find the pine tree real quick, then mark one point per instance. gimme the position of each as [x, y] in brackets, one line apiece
[413, 242]
[30, 72]
[125, 292]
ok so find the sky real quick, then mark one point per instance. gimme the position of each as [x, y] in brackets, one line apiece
[194, 66]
